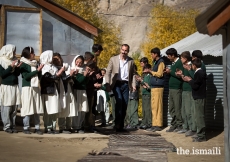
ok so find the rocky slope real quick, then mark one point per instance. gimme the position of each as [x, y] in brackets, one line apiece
[132, 16]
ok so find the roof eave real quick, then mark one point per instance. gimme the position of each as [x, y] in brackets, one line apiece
[211, 20]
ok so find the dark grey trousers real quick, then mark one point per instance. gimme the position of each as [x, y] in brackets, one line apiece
[146, 110]
[199, 117]
[175, 107]
[186, 109]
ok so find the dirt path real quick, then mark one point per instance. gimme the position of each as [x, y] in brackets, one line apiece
[59, 148]
[16, 147]
[215, 140]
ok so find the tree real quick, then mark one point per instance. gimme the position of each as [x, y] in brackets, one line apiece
[167, 26]
[109, 38]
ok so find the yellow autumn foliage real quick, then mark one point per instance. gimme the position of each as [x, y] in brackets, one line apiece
[168, 26]
[109, 38]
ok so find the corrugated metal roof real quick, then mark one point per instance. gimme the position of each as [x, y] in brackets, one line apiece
[209, 45]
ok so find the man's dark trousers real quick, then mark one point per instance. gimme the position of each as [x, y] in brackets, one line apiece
[121, 93]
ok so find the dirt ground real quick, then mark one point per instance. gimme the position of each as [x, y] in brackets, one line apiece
[21, 148]
[215, 140]
[58, 148]
[47, 148]
[72, 147]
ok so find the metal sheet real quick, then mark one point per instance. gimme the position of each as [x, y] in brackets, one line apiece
[57, 34]
[23, 29]
[63, 37]
[214, 97]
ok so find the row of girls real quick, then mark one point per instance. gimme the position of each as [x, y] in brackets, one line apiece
[51, 88]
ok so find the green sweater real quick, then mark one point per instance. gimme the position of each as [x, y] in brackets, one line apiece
[9, 78]
[191, 72]
[174, 81]
[80, 82]
[27, 74]
[146, 79]
[186, 86]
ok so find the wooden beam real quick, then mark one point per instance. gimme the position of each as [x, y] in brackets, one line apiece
[2, 26]
[69, 17]
[40, 41]
[219, 21]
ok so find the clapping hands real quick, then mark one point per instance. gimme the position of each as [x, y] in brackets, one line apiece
[60, 71]
[40, 67]
[16, 63]
[73, 72]
[187, 66]
[167, 70]
[138, 78]
[88, 71]
[186, 78]
[179, 73]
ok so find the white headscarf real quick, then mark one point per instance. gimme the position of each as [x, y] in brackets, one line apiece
[46, 59]
[7, 55]
[73, 66]
[34, 82]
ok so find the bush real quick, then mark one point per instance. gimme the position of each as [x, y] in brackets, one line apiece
[168, 26]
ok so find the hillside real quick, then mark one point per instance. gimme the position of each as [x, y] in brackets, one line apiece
[132, 16]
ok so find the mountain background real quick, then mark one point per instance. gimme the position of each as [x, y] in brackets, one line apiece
[132, 16]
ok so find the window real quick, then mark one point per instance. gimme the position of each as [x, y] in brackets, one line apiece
[22, 27]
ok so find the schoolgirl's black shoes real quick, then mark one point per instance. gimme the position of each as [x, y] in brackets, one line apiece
[8, 130]
[26, 131]
[38, 131]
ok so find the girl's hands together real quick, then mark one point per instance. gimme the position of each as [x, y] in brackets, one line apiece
[14, 63]
[40, 67]
[72, 72]
[60, 71]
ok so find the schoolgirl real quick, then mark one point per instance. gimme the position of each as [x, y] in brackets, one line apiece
[80, 82]
[64, 117]
[103, 101]
[31, 95]
[52, 100]
[9, 91]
